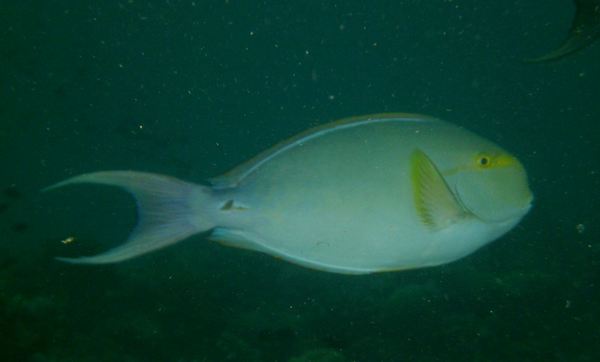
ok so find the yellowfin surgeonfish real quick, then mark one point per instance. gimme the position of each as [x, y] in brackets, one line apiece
[366, 194]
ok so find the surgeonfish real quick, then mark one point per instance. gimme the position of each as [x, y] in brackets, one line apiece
[367, 194]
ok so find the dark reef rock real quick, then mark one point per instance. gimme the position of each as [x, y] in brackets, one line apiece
[19, 227]
[12, 192]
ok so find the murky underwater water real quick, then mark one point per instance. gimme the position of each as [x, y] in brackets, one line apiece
[191, 89]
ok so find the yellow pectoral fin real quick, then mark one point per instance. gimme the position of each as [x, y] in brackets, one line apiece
[435, 203]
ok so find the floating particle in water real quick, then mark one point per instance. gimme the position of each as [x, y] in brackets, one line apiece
[580, 228]
[68, 240]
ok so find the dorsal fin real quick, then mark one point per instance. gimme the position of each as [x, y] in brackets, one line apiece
[231, 178]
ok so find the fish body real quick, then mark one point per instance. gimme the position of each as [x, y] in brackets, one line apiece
[362, 195]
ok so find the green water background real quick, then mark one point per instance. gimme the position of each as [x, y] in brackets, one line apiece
[193, 88]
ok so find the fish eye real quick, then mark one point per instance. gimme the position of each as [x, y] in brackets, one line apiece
[484, 161]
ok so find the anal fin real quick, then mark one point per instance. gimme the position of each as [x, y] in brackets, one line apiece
[235, 238]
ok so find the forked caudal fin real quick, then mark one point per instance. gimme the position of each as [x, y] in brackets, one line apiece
[169, 210]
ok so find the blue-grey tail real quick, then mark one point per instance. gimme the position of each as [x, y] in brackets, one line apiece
[169, 210]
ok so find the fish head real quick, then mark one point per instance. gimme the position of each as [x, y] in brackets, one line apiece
[492, 185]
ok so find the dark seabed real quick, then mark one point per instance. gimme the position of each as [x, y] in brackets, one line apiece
[193, 88]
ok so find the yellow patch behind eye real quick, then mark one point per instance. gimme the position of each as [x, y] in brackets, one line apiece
[505, 160]
[484, 160]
